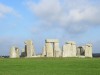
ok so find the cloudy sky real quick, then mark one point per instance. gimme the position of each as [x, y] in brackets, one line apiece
[66, 20]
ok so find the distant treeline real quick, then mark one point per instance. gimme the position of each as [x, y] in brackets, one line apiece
[4, 56]
[96, 54]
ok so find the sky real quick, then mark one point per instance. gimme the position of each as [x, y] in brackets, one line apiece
[37, 20]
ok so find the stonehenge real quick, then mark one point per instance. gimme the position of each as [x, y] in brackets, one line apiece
[52, 49]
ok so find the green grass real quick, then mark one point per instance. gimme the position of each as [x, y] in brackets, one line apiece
[50, 66]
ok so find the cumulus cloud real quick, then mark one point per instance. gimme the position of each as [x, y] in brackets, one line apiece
[73, 15]
[4, 10]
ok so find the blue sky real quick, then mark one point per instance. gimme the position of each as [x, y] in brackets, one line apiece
[66, 20]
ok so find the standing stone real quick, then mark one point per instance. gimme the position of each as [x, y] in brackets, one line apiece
[88, 50]
[69, 49]
[29, 48]
[14, 52]
[57, 51]
[44, 52]
[49, 50]
[78, 51]
[73, 48]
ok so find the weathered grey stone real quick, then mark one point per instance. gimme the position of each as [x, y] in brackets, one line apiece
[88, 50]
[69, 49]
[52, 48]
[29, 49]
[52, 40]
[14, 52]
[44, 52]
[57, 51]
[49, 50]
[73, 50]
[78, 51]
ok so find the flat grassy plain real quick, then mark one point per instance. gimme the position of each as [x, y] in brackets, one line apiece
[50, 66]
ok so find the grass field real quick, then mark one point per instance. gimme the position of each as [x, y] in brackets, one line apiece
[50, 66]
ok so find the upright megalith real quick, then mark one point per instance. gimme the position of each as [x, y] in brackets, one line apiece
[57, 50]
[69, 49]
[49, 49]
[44, 52]
[14, 52]
[88, 50]
[29, 49]
[66, 50]
[52, 48]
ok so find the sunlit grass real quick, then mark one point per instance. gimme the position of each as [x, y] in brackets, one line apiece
[50, 66]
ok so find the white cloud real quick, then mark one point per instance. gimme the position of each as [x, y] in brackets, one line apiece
[66, 12]
[4, 9]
